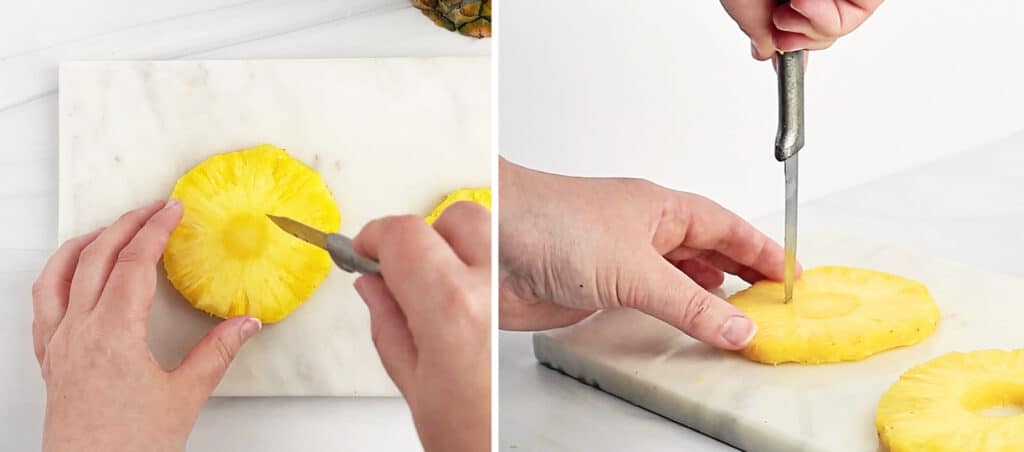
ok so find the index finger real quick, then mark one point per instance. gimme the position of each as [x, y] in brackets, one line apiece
[713, 227]
[132, 282]
[417, 264]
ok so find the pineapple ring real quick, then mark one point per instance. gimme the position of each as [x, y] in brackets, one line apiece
[480, 196]
[956, 402]
[226, 257]
[837, 314]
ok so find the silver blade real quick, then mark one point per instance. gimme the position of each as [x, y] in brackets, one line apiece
[791, 203]
[305, 233]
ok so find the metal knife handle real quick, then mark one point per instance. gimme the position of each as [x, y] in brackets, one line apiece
[789, 138]
[341, 251]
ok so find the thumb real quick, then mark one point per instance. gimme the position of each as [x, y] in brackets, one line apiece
[656, 287]
[210, 358]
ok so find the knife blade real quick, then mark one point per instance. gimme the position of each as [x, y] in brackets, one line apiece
[337, 245]
[791, 169]
[789, 139]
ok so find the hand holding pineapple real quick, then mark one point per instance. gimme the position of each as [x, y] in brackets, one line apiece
[430, 319]
[797, 24]
[570, 246]
[91, 303]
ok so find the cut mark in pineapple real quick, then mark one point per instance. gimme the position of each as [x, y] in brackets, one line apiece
[995, 399]
[823, 305]
[245, 235]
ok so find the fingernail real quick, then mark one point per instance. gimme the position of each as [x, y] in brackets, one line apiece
[172, 203]
[753, 51]
[738, 331]
[251, 326]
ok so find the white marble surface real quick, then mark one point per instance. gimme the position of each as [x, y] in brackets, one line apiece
[964, 208]
[377, 130]
[784, 408]
[35, 37]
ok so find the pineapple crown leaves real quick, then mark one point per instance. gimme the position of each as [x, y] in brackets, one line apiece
[468, 17]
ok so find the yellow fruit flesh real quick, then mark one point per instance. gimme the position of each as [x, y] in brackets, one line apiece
[957, 402]
[836, 314]
[226, 257]
[480, 196]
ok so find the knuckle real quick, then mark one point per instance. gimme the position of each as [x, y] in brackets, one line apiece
[225, 353]
[463, 301]
[39, 287]
[91, 253]
[129, 255]
[467, 211]
[455, 296]
[695, 309]
[408, 234]
[407, 223]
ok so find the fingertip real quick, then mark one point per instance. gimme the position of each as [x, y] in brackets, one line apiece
[738, 331]
[249, 327]
[172, 203]
[786, 41]
[761, 51]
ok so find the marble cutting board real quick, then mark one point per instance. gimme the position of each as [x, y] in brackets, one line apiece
[389, 136]
[785, 408]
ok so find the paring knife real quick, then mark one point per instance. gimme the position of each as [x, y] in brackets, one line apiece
[789, 139]
[337, 245]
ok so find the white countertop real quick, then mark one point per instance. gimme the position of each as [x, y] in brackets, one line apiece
[35, 38]
[965, 208]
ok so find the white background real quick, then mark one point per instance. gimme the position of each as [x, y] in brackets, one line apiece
[667, 90]
[37, 35]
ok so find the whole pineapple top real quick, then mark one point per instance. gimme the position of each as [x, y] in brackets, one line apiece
[469, 17]
[226, 257]
[837, 314]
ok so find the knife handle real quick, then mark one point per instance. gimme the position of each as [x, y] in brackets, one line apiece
[789, 138]
[345, 256]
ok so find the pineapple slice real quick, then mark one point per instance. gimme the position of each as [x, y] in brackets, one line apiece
[226, 257]
[836, 314]
[480, 196]
[957, 402]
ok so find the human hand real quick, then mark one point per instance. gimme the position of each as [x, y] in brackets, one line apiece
[91, 303]
[798, 24]
[430, 319]
[569, 246]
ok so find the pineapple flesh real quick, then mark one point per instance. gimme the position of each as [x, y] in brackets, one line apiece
[836, 314]
[226, 257]
[955, 403]
[480, 196]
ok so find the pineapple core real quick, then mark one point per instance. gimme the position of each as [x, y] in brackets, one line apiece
[837, 314]
[245, 235]
[226, 257]
[956, 402]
